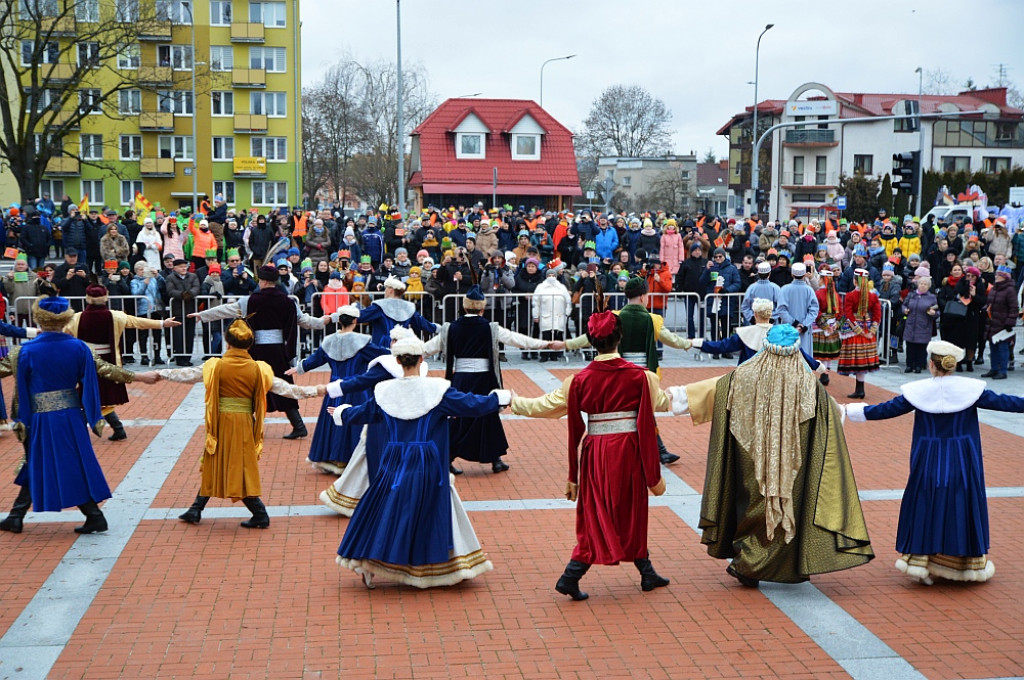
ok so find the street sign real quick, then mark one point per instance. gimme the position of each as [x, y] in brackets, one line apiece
[608, 184]
[841, 202]
[1016, 195]
[590, 195]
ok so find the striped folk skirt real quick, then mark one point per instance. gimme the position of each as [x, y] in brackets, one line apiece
[858, 355]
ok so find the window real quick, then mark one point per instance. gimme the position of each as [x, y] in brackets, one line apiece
[269, 58]
[222, 103]
[32, 9]
[270, 193]
[903, 125]
[955, 163]
[821, 171]
[89, 54]
[126, 11]
[91, 148]
[863, 164]
[469, 145]
[93, 188]
[129, 57]
[627, 181]
[270, 14]
[222, 58]
[271, 148]
[178, 147]
[129, 102]
[526, 147]
[50, 52]
[268, 103]
[130, 187]
[798, 170]
[87, 10]
[994, 164]
[220, 12]
[131, 147]
[89, 101]
[178, 57]
[54, 187]
[227, 189]
[45, 99]
[175, 11]
[178, 102]
[54, 144]
[223, 148]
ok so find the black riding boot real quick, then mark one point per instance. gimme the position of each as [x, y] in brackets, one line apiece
[649, 579]
[95, 522]
[195, 513]
[22, 504]
[858, 392]
[569, 582]
[663, 453]
[115, 424]
[298, 427]
[260, 519]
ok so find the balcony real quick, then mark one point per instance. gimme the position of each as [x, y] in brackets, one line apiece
[155, 31]
[63, 165]
[156, 167]
[249, 166]
[809, 180]
[57, 26]
[56, 73]
[249, 77]
[250, 123]
[152, 121]
[811, 137]
[247, 33]
[61, 118]
[156, 75]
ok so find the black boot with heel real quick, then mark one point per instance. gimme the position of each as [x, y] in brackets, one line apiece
[649, 579]
[569, 582]
[195, 513]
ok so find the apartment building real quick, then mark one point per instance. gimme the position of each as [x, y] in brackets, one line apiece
[214, 96]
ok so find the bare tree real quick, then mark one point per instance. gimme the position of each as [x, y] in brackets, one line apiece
[64, 62]
[626, 120]
[939, 81]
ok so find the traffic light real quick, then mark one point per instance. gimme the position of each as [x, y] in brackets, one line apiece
[905, 168]
[760, 196]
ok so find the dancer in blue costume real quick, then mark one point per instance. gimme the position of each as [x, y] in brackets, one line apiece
[59, 402]
[348, 355]
[391, 311]
[410, 526]
[343, 496]
[943, 526]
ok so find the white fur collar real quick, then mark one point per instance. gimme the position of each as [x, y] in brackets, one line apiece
[390, 364]
[343, 346]
[398, 310]
[948, 394]
[410, 398]
[753, 336]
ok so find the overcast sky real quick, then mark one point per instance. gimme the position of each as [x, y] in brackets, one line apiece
[695, 55]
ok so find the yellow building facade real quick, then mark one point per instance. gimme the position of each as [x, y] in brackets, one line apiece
[239, 136]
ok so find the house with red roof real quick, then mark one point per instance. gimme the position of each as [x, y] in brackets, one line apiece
[493, 151]
[800, 166]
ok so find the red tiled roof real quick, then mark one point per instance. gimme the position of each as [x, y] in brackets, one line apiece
[712, 174]
[554, 173]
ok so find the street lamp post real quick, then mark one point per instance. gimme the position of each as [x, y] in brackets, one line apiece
[754, 174]
[542, 75]
[401, 122]
[920, 140]
[195, 109]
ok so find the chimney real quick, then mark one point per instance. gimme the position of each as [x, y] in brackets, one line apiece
[723, 165]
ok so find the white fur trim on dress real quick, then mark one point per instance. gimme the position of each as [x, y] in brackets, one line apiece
[395, 309]
[334, 389]
[753, 336]
[344, 346]
[680, 402]
[343, 496]
[855, 412]
[947, 394]
[504, 396]
[918, 574]
[966, 575]
[339, 418]
[391, 365]
[410, 398]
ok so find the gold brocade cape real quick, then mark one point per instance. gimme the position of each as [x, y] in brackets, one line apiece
[830, 531]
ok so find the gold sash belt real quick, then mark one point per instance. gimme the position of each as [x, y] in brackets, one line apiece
[57, 400]
[235, 405]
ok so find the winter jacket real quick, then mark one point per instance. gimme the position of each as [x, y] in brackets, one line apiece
[317, 246]
[919, 327]
[35, 238]
[551, 303]
[687, 279]
[606, 242]
[21, 293]
[1002, 306]
[671, 250]
[260, 238]
[174, 240]
[74, 235]
[114, 247]
[150, 244]
[650, 243]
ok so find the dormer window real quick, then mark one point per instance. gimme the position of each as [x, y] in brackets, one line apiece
[525, 138]
[469, 145]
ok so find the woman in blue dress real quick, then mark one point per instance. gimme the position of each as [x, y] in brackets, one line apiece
[943, 525]
[348, 355]
[59, 402]
[410, 525]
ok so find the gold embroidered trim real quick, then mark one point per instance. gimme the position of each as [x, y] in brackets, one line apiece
[341, 499]
[57, 400]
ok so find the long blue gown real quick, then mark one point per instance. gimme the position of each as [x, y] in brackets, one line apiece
[383, 315]
[348, 355]
[61, 467]
[945, 509]
[11, 331]
[405, 517]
